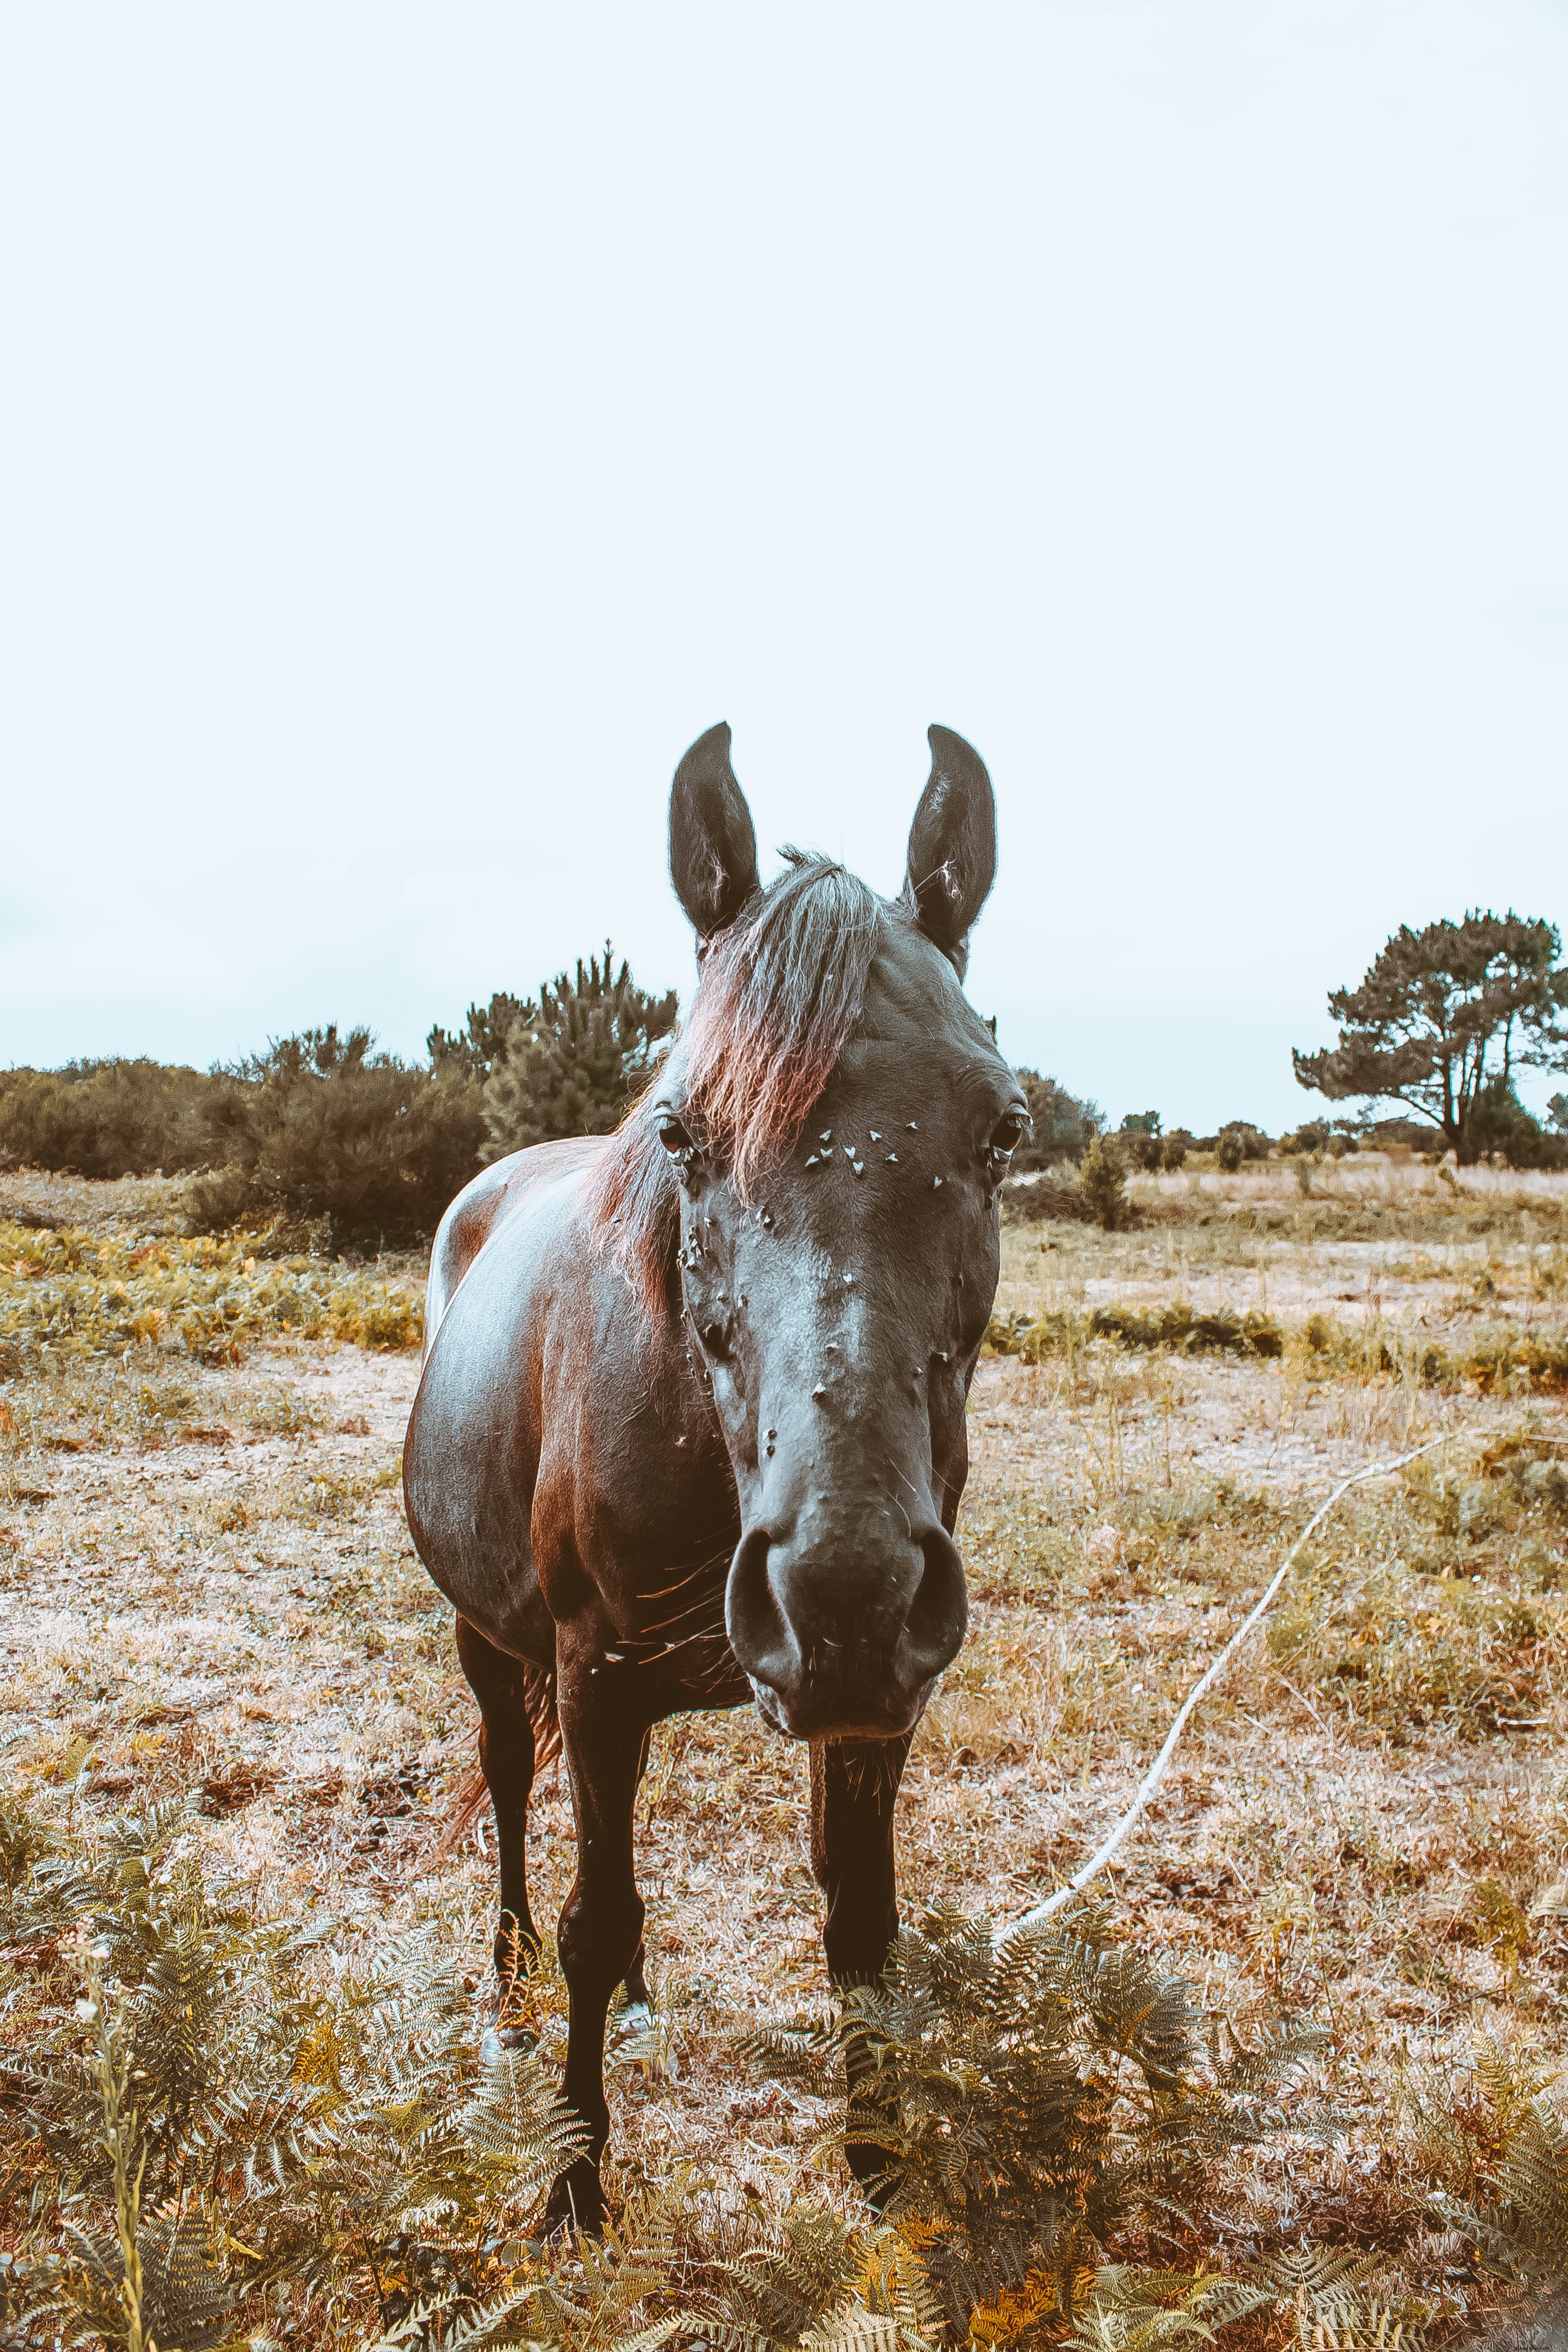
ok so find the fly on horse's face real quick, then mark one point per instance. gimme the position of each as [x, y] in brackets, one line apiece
[839, 1296]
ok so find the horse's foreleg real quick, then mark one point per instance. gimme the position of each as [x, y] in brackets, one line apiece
[854, 1788]
[507, 1755]
[600, 1934]
[639, 2000]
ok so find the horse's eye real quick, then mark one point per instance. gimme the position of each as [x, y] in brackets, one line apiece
[1009, 1132]
[674, 1137]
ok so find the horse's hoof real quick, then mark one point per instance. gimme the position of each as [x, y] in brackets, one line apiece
[576, 2202]
[497, 2039]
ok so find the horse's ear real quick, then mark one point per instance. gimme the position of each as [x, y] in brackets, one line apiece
[712, 842]
[952, 845]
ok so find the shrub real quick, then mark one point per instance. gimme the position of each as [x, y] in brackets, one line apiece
[1025, 1200]
[213, 2132]
[111, 1118]
[1174, 1148]
[1063, 1126]
[1500, 1124]
[1103, 1177]
[1142, 1140]
[1237, 1141]
[1178, 1327]
[326, 1129]
[574, 1068]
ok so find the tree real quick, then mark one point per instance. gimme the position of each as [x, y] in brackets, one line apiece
[575, 1065]
[1441, 1014]
[475, 1048]
[1063, 1126]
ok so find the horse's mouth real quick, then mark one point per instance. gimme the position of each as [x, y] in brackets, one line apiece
[893, 1722]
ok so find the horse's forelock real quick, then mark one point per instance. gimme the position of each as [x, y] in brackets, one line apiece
[782, 992]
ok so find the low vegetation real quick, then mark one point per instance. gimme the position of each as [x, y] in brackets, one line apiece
[217, 2121]
[70, 1293]
[1292, 2081]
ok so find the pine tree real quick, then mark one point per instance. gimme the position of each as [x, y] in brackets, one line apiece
[1442, 1019]
[475, 1048]
[574, 1067]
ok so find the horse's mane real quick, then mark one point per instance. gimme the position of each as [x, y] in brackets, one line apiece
[781, 993]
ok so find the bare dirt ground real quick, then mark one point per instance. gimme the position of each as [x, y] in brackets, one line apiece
[206, 1589]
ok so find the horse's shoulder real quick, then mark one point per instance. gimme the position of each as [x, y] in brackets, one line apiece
[486, 1204]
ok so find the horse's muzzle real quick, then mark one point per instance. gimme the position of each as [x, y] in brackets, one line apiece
[845, 1649]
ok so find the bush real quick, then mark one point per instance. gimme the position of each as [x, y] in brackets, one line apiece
[575, 1066]
[219, 2123]
[1500, 1124]
[1063, 1126]
[325, 1129]
[1174, 1148]
[1103, 1178]
[111, 1118]
[1177, 1329]
[1237, 1141]
[1026, 1200]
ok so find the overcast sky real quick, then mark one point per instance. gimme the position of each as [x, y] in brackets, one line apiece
[416, 425]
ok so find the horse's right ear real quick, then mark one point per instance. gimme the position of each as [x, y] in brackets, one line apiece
[712, 842]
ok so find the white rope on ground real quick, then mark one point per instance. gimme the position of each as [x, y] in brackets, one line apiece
[1156, 1772]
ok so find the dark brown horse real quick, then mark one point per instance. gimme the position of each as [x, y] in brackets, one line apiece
[691, 1426]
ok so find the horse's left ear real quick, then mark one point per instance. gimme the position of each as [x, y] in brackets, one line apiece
[712, 842]
[952, 845]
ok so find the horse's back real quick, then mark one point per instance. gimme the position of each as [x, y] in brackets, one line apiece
[483, 1206]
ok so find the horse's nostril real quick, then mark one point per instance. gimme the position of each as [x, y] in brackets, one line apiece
[758, 1630]
[940, 1612]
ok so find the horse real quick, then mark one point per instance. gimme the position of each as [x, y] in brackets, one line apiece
[689, 1430]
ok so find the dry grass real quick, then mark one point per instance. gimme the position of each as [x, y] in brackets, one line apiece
[205, 1585]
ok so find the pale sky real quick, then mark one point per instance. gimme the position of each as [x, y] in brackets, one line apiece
[416, 425]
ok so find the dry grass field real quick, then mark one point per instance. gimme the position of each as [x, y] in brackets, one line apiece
[206, 1590]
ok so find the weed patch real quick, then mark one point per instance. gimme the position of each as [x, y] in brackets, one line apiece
[74, 1294]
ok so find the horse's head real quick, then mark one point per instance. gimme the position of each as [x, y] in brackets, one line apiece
[841, 1120]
